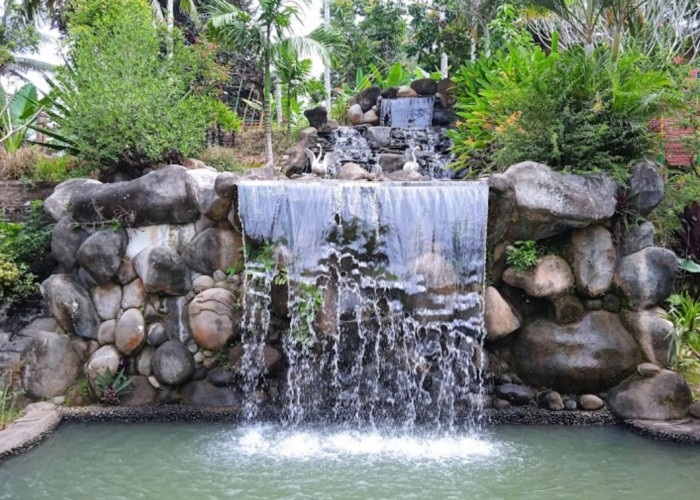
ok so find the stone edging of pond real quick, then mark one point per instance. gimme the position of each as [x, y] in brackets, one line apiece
[42, 418]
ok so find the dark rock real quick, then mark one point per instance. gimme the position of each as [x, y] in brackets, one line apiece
[50, 365]
[390, 93]
[589, 356]
[295, 161]
[694, 409]
[391, 162]
[66, 239]
[517, 395]
[214, 249]
[164, 196]
[568, 309]
[594, 259]
[570, 405]
[368, 98]
[637, 238]
[646, 277]
[318, 117]
[101, 254]
[442, 117]
[162, 271]
[612, 303]
[550, 400]
[173, 364]
[201, 393]
[425, 86]
[505, 379]
[593, 304]
[591, 402]
[445, 90]
[647, 186]
[515, 379]
[500, 404]
[58, 204]
[140, 392]
[70, 305]
[220, 377]
[665, 396]
[200, 373]
[169, 396]
[126, 273]
[549, 203]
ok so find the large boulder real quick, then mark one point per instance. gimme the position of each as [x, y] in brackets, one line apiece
[66, 239]
[652, 332]
[173, 364]
[646, 277]
[166, 195]
[368, 98]
[208, 202]
[549, 203]
[646, 186]
[499, 318]
[212, 321]
[50, 365]
[214, 249]
[174, 236]
[101, 254]
[425, 86]
[550, 277]
[637, 238]
[140, 392]
[70, 305]
[591, 355]
[58, 204]
[665, 396]
[355, 114]
[594, 259]
[162, 271]
[318, 117]
[352, 172]
[130, 332]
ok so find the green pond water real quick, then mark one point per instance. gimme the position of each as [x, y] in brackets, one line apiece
[212, 461]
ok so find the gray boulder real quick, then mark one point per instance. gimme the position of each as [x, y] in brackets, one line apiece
[378, 137]
[50, 365]
[66, 239]
[202, 393]
[162, 271]
[214, 249]
[550, 277]
[594, 258]
[107, 298]
[665, 396]
[648, 186]
[101, 254]
[355, 114]
[139, 393]
[318, 117]
[646, 277]
[134, 294]
[70, 305]
[58, 204]
[499, 318]
[591, 355]
[173, 364]
[515, 394]
[548, 203]
[368, 98]
[652, 332]
[226, 184]
[105, 359]
[637, 238]
[550, 400]
[352, 172]
[164, 196]
[391, 162]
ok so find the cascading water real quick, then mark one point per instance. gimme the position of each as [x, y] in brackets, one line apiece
[384, 297]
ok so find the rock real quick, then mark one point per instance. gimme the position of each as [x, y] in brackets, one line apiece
[517, 395]
[594, 259]
[295, 161]
[70, 306]
[211, 317]
[169, 396]
[588, 356]
[378, 137]
[391, 162]
[570, 405]
[202, 393]
[442, 117]
[226, 185]
[550, 400]
[66, 239]
[140, 392]
[648, 369]
[84, 348]
[425, 86]
[107, 298]
[211, 205]
[355, 114]
[548, 203]
[406, 91]
[50, 365]
[567, 309]
[694, 409]
[445, 90]
[647, 186]
[175, 237]
[271, 358]
[162, 271]
[201, 283]
[220, 377]
[154, 382]
[214, 249]
[58, 400]
[352, 172]
[105, 334]
[591, 402]
[144, 361]
[133, 295]
[611, 303]
[370, 118]
[368, 98]
[637, 238]
[130, 332]
[193, 164]
[500, 404]
[406, 176]
[651, 330]
[646, 277]
[499, 318]
[550, 277]
[156, 334]
[317, 117]
[219, 275]
[172, 363]
[105, 359]
[126, 273]
[164, 196]
[58, 204]
[665, 396]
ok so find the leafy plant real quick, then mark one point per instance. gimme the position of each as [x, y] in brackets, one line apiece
[111, 386]
[522, 255]
[18, 112]
[8, 399]
[686, 241]
[16, 280]
[684, 354]
[625, 215]
[305, 307]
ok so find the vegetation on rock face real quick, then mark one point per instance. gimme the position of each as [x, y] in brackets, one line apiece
[522, 255]
[9, 392]
[684, 313]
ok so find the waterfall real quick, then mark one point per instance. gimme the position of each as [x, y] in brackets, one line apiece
[384, 297]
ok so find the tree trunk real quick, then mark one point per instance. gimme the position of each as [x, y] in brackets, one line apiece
[267, 122]
[170, 23]
[327, 68]
[278, 102]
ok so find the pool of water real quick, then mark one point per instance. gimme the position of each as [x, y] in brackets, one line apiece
[212, 461]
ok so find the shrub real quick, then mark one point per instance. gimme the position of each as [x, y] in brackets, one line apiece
[222, 159]
[568, 110]
[9, 393]
[16, 281]
[684, 313]
[522, 255]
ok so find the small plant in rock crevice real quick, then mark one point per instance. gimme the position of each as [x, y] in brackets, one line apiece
[306, 306]
[684, 353]
[522, 255]
[625, 216]
[111, 386]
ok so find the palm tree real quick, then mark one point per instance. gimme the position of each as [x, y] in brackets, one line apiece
[18, 35]
[265, 32]
[294, 75]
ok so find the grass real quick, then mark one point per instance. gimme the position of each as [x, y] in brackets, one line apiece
[32, 163]
[9, 394]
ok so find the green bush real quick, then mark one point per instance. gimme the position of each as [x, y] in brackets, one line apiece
[16, 281]
[568, 110]
[522, 255]
[684, 356]
[121, 102]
